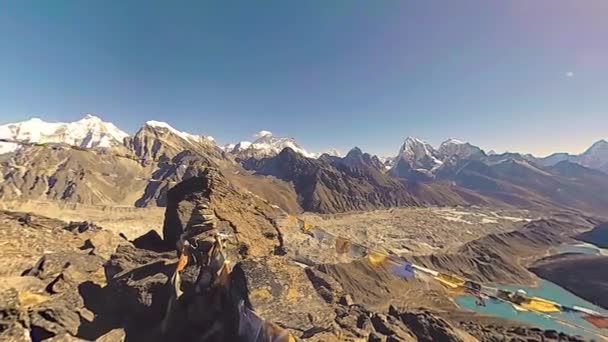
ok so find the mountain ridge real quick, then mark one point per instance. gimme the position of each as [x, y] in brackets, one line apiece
[158, 156]
[92, 132]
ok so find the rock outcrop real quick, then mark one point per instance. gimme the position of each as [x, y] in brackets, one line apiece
[248, 218]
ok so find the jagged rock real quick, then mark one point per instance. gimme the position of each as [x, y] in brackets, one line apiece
[282, 293]
[426, 326]
[391, 327]
[67, 270]
[81, 227]
[10, 310]
[49, 299]
[15, 333]
[137, 282]
[346, 300]
[56, 317]
[327, 287]
[152, 241]
[331, 185]
[104, 243]
[65, 337]
[374, 337]
[116, 335]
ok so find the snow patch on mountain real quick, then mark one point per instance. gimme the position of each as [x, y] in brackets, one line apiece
[88, 132]
[388, 162]
[184, 135]
[333, 152]
[453, 141]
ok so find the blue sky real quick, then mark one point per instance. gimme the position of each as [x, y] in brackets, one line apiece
[519, 75]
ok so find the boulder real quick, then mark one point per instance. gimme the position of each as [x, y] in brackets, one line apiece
[281, 292]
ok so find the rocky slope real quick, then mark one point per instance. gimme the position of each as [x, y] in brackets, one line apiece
[138, 173]
[522, 183]
[502, 258]
[72, 175]
[159, 141]
[50, 270]
[358, 182]
[325, 187]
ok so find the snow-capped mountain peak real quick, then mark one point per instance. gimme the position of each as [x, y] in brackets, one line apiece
[596, 156]
[600, 146]
[419, 154]
[267, 144]
[457, 149]
[412, 144]
[90, 131]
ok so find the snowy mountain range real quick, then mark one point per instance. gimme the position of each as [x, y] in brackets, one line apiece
[88, 132]
[265, 145]
[415, 155]
[92, 132]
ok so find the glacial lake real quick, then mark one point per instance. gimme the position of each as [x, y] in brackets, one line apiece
[546, 290]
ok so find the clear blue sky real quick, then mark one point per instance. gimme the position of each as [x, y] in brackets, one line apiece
[521, 75]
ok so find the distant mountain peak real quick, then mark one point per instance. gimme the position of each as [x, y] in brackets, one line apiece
[454, 149]
[356, 157]
[88, 132]
[354, 151]
[595, 157]
[598, 145]
[418, 154]
[414, 140]
[266, 144]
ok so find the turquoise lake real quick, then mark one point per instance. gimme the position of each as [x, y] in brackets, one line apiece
[546, 290]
